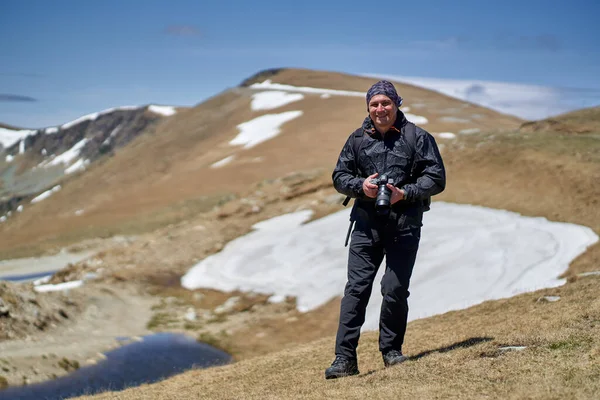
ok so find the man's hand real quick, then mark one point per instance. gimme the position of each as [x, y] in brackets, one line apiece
[369, 188]
[397, 194]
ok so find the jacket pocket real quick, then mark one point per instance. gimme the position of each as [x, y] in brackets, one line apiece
[407, 239]
[410, 218]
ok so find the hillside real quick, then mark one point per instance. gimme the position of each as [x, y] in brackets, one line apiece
[577, 122]
[539, 345]
[184, 202]
[168, 176]
[34, 161]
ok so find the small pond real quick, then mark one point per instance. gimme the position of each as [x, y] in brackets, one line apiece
[156, 357]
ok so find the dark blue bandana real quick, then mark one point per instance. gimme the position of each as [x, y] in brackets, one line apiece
[386, 88]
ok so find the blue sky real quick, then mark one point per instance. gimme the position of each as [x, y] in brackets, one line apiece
[62, 59]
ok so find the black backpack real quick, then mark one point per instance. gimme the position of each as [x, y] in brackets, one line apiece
[410, 133]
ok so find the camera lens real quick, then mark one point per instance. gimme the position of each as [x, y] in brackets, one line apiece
[383, 197]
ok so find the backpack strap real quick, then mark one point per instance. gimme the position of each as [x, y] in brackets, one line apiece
[358, 137]
[410, 134]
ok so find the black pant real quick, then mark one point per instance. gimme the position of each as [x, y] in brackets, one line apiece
[365, 257]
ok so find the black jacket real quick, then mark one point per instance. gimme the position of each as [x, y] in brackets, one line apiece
[392, 155]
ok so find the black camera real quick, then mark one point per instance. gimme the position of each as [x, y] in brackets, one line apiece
[382, 201]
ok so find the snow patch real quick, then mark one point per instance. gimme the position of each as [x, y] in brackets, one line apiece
[51, 130]
[222, 162]
[114, 132]
[262, 128]
[79, 165]
[68, 156]
[46, 194]
[58, 286]
[591, 273]
[273, 99]
[9, 158]
[469, 131]
[446, 135]
[512, 348]
[166, 111]
[468, 254]
[276, 298]
[416, 119]
[455, 120]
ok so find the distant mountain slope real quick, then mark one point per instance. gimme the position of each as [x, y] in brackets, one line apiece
[34, 160]
[580, 121]
[278, 122]
[531, 102]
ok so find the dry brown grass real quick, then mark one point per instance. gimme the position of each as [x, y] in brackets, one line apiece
[452, 356]
[581, 121]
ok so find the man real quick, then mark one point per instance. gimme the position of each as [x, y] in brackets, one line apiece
[385, 144]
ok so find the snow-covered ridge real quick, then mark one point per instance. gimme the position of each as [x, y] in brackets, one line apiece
[93, 116]
[275, 97]
[8, 137]
[304, 89]
[166, 111]
[161, 110]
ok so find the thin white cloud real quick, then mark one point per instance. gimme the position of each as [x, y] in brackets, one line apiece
[182, 30]
[530, 102]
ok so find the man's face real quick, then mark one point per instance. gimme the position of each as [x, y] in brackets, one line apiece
[382, 110]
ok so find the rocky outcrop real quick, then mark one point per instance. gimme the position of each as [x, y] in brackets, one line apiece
[103, 134]
[261, 76]
[40, 160]
[24, 311]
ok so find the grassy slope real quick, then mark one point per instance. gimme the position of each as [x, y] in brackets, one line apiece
[456, 355]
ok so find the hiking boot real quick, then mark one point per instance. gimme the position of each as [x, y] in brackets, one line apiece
[341, 367]
[393, 357]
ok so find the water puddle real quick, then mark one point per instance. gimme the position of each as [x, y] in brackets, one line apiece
[23, 269]
[154, 358]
